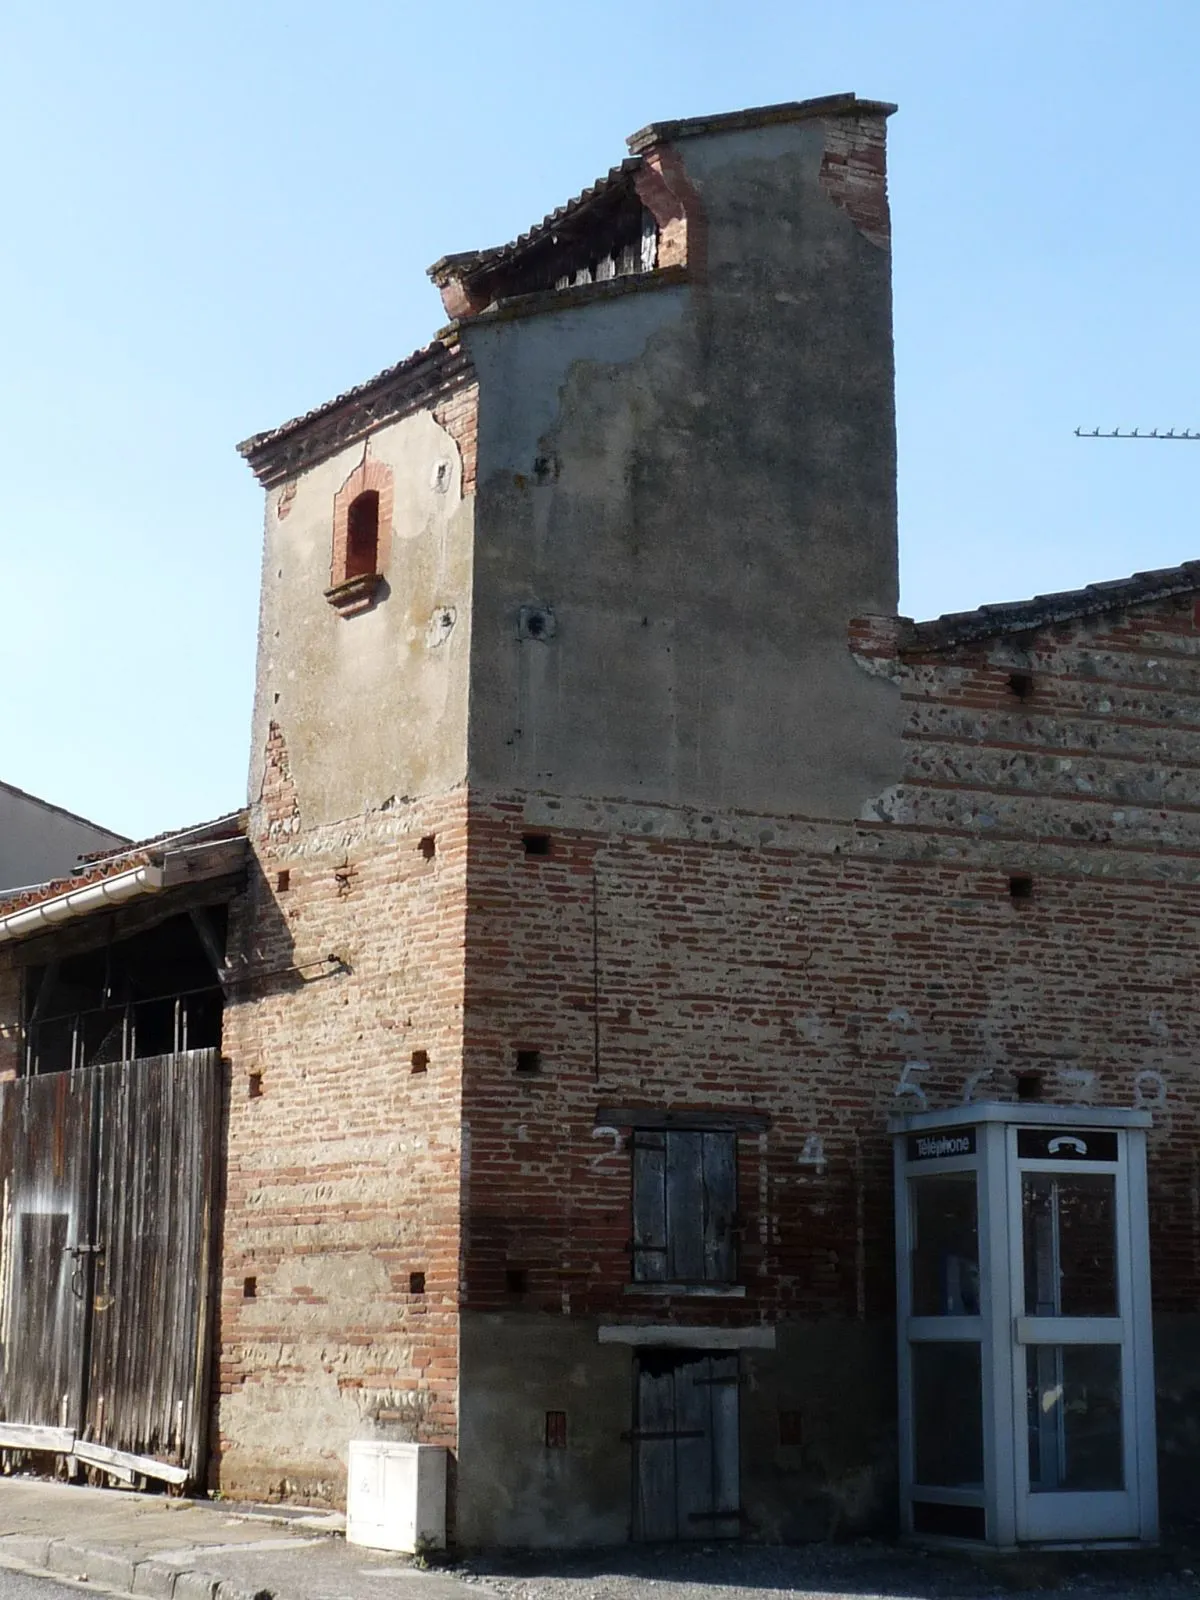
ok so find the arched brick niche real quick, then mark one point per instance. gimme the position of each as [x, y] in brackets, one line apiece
[362, 537]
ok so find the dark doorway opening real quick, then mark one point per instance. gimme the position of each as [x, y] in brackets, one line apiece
[153, 993]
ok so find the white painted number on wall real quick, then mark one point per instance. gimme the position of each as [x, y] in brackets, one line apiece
[1150, 1090]
[813, 1154]
[909, 1085]
[617, 1149]
[973, 1082]
[1079, 1082]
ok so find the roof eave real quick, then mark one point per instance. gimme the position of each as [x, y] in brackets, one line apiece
[382, 399]
[105, 892]
[830, 105]
[134, 875]
[467, 264]
[1047, 611]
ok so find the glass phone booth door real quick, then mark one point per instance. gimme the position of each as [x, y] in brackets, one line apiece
[1026, 1370]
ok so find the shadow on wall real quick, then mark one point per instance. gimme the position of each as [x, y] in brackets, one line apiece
[1176, 1340]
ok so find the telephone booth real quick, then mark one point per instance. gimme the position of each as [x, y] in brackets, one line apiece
[1026, 1366]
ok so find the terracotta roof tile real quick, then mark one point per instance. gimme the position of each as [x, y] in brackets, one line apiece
[95, 868]
[468, 262]
[288, 449]
[257, 441]
[1044, 610]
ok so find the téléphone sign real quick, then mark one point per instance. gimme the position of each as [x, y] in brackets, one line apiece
[940, 1146]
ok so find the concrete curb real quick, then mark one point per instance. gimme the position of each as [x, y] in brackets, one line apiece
[148, 1579]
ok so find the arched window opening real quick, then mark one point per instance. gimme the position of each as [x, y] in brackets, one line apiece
[362, 531]
[362, 535]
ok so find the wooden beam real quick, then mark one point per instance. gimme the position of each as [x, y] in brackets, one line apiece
[119, 1461]
[199, 862]
[30, 1436]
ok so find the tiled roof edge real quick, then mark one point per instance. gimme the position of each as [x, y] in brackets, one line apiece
[829, 105]
[294, 446]
[468, 262]
[97, 869]
[1044, 610]
[228, 825]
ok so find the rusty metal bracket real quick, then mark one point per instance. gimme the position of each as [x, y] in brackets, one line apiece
[81, 1253]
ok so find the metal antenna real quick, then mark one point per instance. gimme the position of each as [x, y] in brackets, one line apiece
[1117, 433]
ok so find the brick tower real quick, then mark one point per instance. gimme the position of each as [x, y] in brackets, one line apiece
[553, 694]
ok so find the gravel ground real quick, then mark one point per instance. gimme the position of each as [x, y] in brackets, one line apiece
[828, 1572]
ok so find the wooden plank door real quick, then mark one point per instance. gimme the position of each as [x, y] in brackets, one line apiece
[107, 1182]
[148, 1362]
[46, 1127]
[685, 1436]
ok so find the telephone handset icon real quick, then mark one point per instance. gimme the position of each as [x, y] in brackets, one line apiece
[1067, 1141]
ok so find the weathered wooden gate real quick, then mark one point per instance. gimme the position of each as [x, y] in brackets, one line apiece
[685, 1437]
[105, 1263]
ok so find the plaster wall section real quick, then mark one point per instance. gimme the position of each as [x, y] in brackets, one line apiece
[694, 489]
[39, 842]
[374, 705]
[823, 1477]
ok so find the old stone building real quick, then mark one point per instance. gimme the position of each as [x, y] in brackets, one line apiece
[619, 866]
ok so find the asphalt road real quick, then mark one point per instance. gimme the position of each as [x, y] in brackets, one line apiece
[19, 1586]
[864, 1571]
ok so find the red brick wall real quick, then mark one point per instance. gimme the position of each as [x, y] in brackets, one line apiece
[854, 173]
[671, 198]
[459, 415]
[832, 974]
[827, 972]
[343, 1162]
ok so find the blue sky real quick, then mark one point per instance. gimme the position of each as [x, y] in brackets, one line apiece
[220, 214]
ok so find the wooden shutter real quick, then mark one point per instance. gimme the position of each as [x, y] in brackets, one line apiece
[720, 1204]
[684, 1199]
[649, 1208]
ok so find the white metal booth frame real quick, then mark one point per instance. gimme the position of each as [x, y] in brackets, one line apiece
[1026, 1368]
